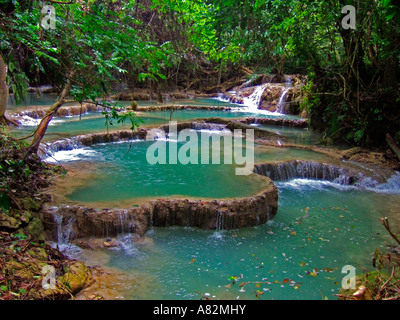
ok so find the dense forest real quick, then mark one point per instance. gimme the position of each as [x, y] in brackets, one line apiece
[97, 47]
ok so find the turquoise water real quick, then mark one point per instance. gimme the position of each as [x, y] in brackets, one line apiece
[294, 135]
[320, 227]
[48, 99]
[304, 250]
[93, 122]
[126, 174]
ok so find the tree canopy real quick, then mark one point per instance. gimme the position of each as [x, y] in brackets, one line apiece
[97, 46]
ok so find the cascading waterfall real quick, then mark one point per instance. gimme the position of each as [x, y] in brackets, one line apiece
[307, 170]
[392, 185]
[220, 221]
[64, 231]
[254, 100]
[291, 170]
[282, 101]
[126, 239]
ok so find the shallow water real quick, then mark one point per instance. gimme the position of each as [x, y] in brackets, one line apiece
[95, 122]
[294, 135]
[320, 226]
[318, 230]
[127, 174]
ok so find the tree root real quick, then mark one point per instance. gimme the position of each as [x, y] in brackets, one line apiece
[6, 121]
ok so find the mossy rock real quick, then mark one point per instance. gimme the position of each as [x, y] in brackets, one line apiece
[38, 253]
[35, 229]
[26, 216]
[133, 106]
[30, 204]
[8, 222]
[77, 277]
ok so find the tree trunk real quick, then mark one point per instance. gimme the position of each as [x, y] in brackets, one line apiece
[3, 89]
[393, 145]
[390, 78]
[4, 95]
[41, 129]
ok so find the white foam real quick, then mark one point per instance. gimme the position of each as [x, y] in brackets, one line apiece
[214, 131]
[308, 184]
[71, 155]
[27, 121]
[119, 142]
[392, 186]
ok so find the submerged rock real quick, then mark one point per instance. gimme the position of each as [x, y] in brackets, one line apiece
[294, 123]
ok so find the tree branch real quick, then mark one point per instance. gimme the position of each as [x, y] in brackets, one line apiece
[61, 2]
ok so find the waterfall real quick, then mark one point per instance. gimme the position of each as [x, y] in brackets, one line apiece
[64, 233]
[254, 100]
[220, 221]
[307, 170]
[392, 185]
[298, 169]
[126, 239]
[282, 101]
[123, 218]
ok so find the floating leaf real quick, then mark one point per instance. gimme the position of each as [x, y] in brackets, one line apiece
[193, 260]
[313, 273]
[258, 293]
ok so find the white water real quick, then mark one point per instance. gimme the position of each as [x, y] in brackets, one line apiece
[71, 155]
[64, 234]
[27, 121]
[392, 186]
[282, 101]
[254, 100]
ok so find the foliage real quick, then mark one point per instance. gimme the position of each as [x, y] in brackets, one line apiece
[20, 178]
[180, 43]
